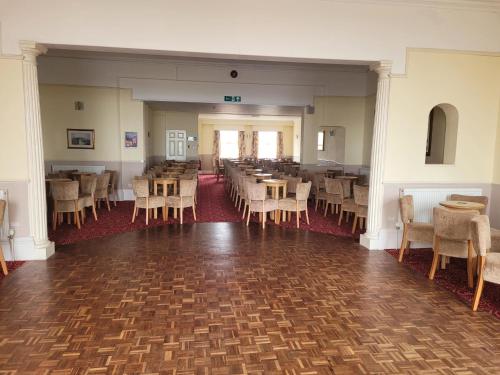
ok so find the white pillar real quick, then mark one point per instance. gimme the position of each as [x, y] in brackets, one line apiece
[372, 238]
[37, 207]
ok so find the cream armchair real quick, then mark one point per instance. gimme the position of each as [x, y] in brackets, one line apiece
[258, 201]
[297, 204]
[453, 238]
[489, 260]
[146, 201]
[186, 198]
[412, 231]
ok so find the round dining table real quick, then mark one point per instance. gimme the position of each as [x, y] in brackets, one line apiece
[462, 205]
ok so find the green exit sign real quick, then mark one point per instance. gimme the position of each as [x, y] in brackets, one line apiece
[234, 99]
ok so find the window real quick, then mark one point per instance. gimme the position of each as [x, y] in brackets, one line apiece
[442, 129]
[321, 140]
[228, 144]
[268, 145]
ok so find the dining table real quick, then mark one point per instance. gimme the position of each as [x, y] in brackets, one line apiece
[165, 182]
[262, 176]
[349, 180]
[462, 205]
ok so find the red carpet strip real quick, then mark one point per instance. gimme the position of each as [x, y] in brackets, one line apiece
[214, 205]
[453, 278]
[11, 266]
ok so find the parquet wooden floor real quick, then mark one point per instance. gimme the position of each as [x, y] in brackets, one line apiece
[227, 299]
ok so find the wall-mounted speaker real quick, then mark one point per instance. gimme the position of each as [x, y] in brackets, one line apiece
[310, 109]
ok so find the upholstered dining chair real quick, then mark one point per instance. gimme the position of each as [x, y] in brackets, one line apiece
[453, 238]
[101, 191]
[292, 183]
[66, 200]
[412, 231]
[143, 199]
[489, 258]
[298, 203]
[333, 194]
[258, 201]
[3, 204]
[87, 195]
[361, 201]
[113, 185]
[185, 198]
[472, 198]
[243, 188]
[318, 188]
[348, 205]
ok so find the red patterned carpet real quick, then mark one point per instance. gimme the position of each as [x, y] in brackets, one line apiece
[11, 266]
[454, 278]
[214, 205]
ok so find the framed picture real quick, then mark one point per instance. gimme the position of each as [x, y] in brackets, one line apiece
[81, 138]
[130, 139]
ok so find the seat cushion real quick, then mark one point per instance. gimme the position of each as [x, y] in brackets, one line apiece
[175, 201]
[349, 205]
[155, 201]
[269, 205]
[421, 232]
[290, 204]
[492, 268]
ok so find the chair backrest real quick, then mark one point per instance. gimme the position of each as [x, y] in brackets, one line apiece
[3, 203]
[361, 195]
[187, 176]
[291, 185]
[256, 192]
[318, 181]
[64, 190]
[406, 208]
[102, 181]
[453, 225]
[303, 190]
[346, 186]
[472, 198]
[333, 186]
[141, 187]
[113, 180]
[481, 234]
[190, 171]
[187, 188]
[88, 184]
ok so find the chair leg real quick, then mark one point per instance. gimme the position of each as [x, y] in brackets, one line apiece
[354, 223]
[244, 211]
[248, 217]
[181, 209]
[340, 216]
[316, 206]
[147, 215]
[297, 216]
[54, 220]
[163, 213]
[307, 216]
[95, 213]
[77, 217]
[264, 217]
[326, 208]
[194, 213]
[114, 197]
[404, 243]
[3, 263]
[107, 203]
[470, 266]
[435, 260]
[480, 284]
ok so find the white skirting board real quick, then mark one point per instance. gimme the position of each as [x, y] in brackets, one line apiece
[24, 249]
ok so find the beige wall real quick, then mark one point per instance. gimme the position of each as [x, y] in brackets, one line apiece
[13, 158]
[471, 83]
[354, 114]
[172, 120]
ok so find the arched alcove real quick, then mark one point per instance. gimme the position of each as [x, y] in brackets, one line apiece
[442, 129]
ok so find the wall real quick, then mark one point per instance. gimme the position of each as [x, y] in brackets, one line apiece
[340, 30]
[110, 112]
[13, 147]
[354, 114]
[471, 83]
[334, 144]
[173, 120]
[207, 126]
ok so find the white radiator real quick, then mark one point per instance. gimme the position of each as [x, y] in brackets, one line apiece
[425, 199]
[4, 228]
[98, 169]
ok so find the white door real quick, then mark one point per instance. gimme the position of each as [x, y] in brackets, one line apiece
[176, 145]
